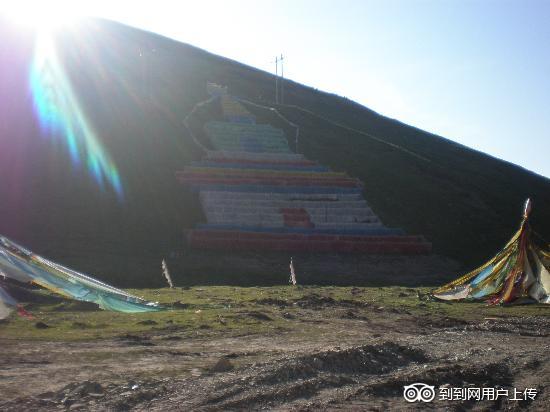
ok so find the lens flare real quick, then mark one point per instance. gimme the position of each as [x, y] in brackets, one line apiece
[38, 15]
[61, 116]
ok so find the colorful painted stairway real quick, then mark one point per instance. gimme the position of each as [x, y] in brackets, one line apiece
[258, 195]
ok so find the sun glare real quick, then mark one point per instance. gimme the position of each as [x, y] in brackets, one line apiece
[61, 115]
[40, 16]
[56, 103]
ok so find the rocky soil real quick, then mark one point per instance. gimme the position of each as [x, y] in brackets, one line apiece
[327, 354]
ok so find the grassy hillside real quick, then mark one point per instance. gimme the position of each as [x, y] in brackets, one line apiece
[135, 87]
[467, 203]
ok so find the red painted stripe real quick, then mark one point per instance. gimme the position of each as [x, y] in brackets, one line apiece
[312, 246]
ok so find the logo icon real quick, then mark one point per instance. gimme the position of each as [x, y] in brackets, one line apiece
[419, 392]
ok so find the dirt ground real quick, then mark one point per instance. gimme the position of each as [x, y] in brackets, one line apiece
[319, 349]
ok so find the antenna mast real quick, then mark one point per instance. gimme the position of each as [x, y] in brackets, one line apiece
[282, 80]
[276, 80]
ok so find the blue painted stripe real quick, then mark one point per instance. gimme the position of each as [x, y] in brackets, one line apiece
[265, 166]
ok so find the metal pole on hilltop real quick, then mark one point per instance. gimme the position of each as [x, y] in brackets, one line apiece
[276, 80]
[282, 81]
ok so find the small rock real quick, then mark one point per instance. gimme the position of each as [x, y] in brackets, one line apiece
[350, 314]
[318, 363]
[223, 365]
[147, 322]
[173, 337]
[259, 316]
[87, 388]
[48, 395]
[97, 395]
[180, 305]
[41, 325]
[67, 401]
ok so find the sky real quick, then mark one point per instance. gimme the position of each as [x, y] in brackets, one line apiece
[473, 71]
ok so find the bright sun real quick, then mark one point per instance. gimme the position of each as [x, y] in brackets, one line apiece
[38, 15]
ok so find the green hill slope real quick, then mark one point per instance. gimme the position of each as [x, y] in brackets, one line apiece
[136, 87]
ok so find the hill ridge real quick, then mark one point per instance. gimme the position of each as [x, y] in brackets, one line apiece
[466, 202]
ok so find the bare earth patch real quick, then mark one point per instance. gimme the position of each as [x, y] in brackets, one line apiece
[277, 348]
